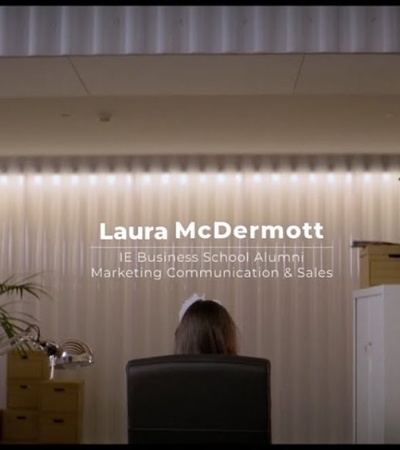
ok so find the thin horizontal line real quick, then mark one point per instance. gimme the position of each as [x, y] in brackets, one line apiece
[212, 247]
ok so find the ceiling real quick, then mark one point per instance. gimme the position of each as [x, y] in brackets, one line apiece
[203, 104]
[287, 74]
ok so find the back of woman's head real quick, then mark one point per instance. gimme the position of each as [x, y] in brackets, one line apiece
[206, 327]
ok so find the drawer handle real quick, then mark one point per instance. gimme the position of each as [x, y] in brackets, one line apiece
[391, 255]
[58, 420]
[59, 389]
[23, 386]
[21, 417]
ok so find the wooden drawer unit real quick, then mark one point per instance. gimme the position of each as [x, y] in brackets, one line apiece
[23, 394]
[40, 410]
[60, 428]
[20, 426]
[61, 411]
[31, 365]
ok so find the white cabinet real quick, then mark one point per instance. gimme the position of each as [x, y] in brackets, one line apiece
[377, 365]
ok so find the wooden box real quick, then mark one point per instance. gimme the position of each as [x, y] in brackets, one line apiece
[66, 396]
[20, 426]
[23, 394]
[30, 365]
[379, 264]
[60, 428]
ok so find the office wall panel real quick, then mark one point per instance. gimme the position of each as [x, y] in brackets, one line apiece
[50, 215]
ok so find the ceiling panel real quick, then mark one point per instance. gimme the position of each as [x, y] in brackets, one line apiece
[39, 77]
[199, 75]
[349, 74]
[172, 125]
[189, 74]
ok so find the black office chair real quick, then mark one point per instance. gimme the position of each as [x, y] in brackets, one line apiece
[199, 399]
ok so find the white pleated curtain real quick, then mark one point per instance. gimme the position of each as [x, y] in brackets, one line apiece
[50, 214]
[215, 29]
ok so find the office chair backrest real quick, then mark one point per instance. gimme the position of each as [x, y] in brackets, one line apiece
[199, 399]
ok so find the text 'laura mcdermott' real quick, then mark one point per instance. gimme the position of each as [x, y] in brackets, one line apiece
[218, 230]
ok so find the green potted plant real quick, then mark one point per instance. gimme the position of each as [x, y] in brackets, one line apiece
[13, 323]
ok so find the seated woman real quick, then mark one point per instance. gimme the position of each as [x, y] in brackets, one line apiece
[205, 327]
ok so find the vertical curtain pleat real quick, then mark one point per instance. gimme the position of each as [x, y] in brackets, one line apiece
[50, 215]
